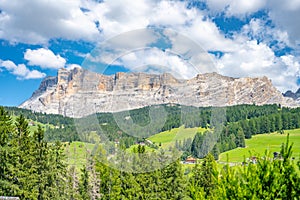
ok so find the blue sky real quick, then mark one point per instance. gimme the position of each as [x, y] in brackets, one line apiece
[242, 38]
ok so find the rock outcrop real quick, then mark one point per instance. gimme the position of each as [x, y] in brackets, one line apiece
[79, 92]
[295, 96]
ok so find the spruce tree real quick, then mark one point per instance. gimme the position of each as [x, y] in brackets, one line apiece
[240, 138]
[84, 184]
[8, 184]
[25, 172]
[208, 179]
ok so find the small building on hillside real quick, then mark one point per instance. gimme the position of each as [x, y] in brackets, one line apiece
[31, 123]
[190, 160]
[253, 159]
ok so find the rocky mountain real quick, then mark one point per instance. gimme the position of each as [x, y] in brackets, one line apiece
[292, 95]
[79, 92]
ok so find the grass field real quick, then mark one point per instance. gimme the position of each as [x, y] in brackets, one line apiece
[258, 144]
[33, 125]
[77, 153]
[168, 138]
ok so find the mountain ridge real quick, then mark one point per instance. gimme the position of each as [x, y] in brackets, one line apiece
[78, 92]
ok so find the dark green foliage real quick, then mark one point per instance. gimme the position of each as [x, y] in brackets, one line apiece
[176, 116]
[209, 175]
[30, 168]
[216, 151]
[84, 185]
[240, 138]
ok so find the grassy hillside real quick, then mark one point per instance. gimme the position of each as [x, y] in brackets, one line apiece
[77, 153]
[168, 138]
[258, 144]
[33, 125]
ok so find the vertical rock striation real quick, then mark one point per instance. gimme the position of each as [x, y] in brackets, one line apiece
[79, 92]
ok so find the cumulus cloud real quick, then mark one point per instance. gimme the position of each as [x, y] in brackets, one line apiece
[43, 20]
[37, 21]
[256, 60]
[72, 66]
[172, 13]
[285, 15]
[120, 16]
[44, 58]
[258, 29]
[21, 71]
[156, 61]
[243, 55]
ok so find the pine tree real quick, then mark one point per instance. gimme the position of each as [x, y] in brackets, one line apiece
[216, 151]
[194, 189]
[41, 162]
[7, 156]
[196, 147]
[240, 138]
[173, 180]
[209, 175]
[84, 184]
[24, 160]
[57, 172]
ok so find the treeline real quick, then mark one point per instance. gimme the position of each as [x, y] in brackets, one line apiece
[31, 168]
[233, 134]
[56, 120]
[241, 123]
[143, 122]
[229, 125]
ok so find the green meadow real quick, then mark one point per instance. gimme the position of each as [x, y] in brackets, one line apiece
[168, 138]
[77, 153]
[259, 144]
[33, 125]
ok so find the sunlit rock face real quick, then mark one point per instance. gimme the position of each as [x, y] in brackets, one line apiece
[79, 92]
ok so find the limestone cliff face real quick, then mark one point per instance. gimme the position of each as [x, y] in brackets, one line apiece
[79, 92]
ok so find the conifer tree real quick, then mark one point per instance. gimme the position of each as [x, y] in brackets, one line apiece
[84, 184]
[174, 181]
[7, 158]
[208, 179]
[240, 138]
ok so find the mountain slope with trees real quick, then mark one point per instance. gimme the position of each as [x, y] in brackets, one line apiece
[31, 168]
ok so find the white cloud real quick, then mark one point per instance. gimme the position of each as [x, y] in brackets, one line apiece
[155, 60]
[44, 58]
[286, 16]
[72, 66]
[243, 56]
[119, 16]
[258, 29]
[21, 71]
[207, 34]
[37, 21]
[172, 13]
[256, 60]
[236, 7]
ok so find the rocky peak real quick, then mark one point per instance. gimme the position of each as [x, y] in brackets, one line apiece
[292, 95]
[79, 92]
[46, 84]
